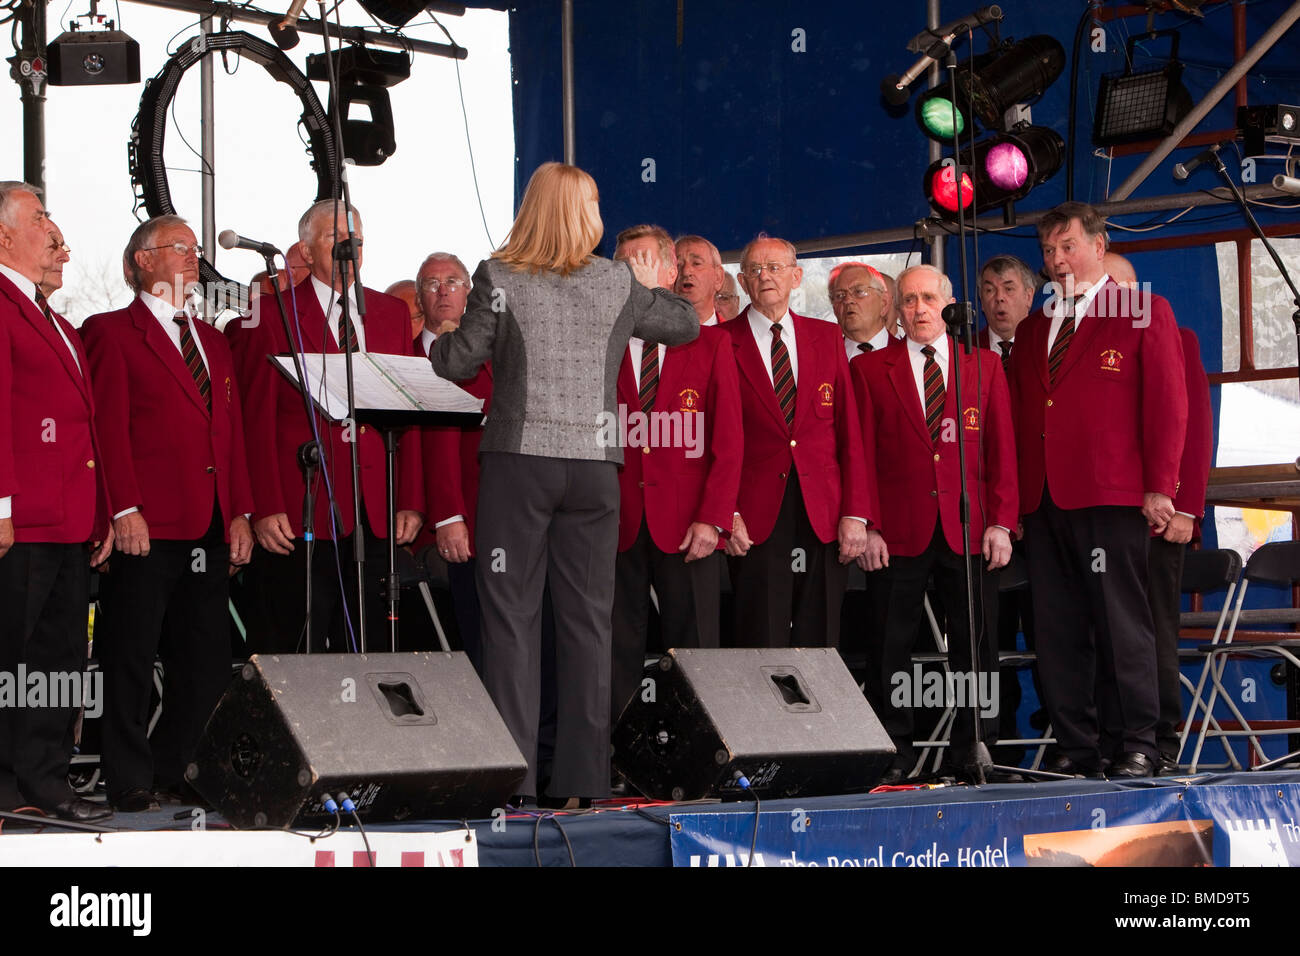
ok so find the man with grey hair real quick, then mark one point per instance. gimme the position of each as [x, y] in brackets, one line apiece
[893, 310]
[699, 276]
[727, 301]
[276, 429]
[1007, 287]
[805, 503]
[53, 500]
[857, 293]
[911, 426]
[174, 454]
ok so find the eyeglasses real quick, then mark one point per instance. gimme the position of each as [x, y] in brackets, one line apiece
[725, 297]
[451, 285]
[180, 248]
[858, 292]
[773, 269]
[59, 245]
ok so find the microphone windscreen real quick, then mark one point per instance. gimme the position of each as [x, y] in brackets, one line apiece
[892, 94]
[228, 239]
[286, 38]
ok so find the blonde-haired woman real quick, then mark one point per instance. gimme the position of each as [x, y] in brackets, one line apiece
[554, 319]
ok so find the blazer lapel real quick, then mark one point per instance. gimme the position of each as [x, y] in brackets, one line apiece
[163, 347]
[627, 381]
[752, 370]
[1081, 343]
[811, 374]
[27, 308]
[900, 376]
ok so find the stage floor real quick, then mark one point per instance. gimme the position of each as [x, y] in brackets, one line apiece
[1240, 819]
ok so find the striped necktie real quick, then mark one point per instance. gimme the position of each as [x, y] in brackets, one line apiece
[649, 375]
[346, 330]
[1005, 347]
[1062, 344]
[193, 360]
[782, 375]
[932, 380]
[44, 306]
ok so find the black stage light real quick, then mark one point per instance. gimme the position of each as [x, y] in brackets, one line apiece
[401, 12]
[991, 83]
[1005, 167]
[1136, 106]
[1274, 123]
[93, 57]
[364, 75]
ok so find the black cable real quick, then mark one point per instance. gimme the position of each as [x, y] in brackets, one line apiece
[473, 168]
[753, 840]
[364, 838]
[537, 827]
[1074, 95]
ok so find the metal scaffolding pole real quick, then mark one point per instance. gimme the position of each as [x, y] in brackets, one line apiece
[208, 149]
[32, 84]
[938, 252]
[1211, 100]
[566, 83]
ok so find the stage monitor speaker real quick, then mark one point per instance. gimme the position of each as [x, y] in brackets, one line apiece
[403, 735]
[791, 720]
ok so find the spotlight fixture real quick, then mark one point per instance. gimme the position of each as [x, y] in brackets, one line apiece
[1274, 123]
[1137, 106]
[1003, 169]
[93, 57]
[401, 12]
[991, 84]
[364, 75]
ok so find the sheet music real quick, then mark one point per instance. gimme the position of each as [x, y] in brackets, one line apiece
[380, 381]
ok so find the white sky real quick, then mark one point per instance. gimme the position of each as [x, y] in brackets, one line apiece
[421, 200]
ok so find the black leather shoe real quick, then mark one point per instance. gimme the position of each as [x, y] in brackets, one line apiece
[82, 811]
[1134, 764]
[137, 800]
[1168, 767]
[892, 778]
[1064, 765]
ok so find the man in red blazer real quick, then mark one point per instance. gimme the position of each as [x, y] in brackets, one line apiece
[451, 453]
[911, 424]
[1165, 559]
[1098, 386]
[804, 504]
[174, 458]
[680, 475]
[53, 501]
[276, 427]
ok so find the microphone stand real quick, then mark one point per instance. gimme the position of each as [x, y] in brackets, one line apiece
[309, 452]
[347, 253]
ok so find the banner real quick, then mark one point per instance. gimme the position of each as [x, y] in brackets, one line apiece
[1219, 825]
[238, 848]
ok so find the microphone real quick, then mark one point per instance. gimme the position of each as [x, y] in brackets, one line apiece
[229, 239]
[1287, 184]
[1183, 170]
[285, 32]
[895, 88]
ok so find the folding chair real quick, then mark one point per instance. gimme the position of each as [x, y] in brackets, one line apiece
[1015, 577]
[1205, 572]
[1276, 563]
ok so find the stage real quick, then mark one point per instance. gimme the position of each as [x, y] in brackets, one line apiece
[1218, 820]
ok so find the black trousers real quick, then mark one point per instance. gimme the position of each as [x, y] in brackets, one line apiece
[1096, 643]
[44, 604]
[553, 524]
[789, 589]
[170, 603]
[277, 585]
[689, 595]
[1164, 591]
[903, 588]
[461, 579]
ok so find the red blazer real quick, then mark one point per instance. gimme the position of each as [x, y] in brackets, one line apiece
[825, 444]
[49, 451]
[275, 424]
[667, 485]
[164, 452]
[1112, 427]
[918, 482]
[451, 465]
[1198, 449]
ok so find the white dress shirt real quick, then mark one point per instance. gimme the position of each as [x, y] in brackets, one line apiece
[1059, 307]
[761, 326]
[878, 341]
[636, 349]
[918, 364]
[711, 320]
[329, 305]
[28, 288]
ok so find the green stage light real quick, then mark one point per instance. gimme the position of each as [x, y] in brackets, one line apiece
[937, 118]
